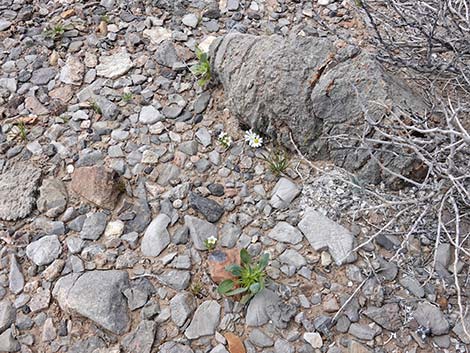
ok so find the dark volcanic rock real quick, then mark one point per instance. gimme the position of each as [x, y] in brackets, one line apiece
[209, 208]
[308, 87]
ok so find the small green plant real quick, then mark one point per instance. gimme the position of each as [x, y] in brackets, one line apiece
[277, 162]
[96, 108]
[196, 288]
[224, 139]
[210, 242]
[202, 69]
[105, 18]
[127, 97]
[55, 32]
[22, 130]
[121, 185]
[250, 277]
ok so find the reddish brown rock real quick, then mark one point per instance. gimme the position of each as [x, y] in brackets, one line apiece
[235, 344]
[219, 259]
[96, 185]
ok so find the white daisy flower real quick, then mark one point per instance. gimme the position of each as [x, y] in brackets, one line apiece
[253, 139]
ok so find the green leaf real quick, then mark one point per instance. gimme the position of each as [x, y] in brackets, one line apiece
[263, 262]
[237, 291]
[255, 288]
[245, 257]
[234, 270]
[225, 286]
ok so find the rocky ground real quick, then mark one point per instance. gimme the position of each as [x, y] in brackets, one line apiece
[112, 177]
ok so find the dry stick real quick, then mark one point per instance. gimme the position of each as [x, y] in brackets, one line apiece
[377, 233]
[456, 260]
[349, 299]
[438, 236]
[408, 235]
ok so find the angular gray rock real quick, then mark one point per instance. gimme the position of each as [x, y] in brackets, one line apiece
[460, 331]
[205, 320]
[44, 250]
[96, 295]
[182, 305]
[91, 344]
[303, 85]
[8, 343]
[431, 317]
[7, 315]
[115, 65]
[53, 197]
[18, 184]
[210, 209]
[286, 233]
[413, 286]
[94, 226]
[199, 230]
[387, 316]
[142, 338]
[257, 313]
[260, 339]
[150, 115]
[283, 193]
[15, 276]
[174, 347]
[322, 233]
[156, 237]
[178, 280]
[166, 54]
[364, 332]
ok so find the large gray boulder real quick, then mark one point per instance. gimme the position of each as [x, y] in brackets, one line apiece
[307, 86]
[96, 295]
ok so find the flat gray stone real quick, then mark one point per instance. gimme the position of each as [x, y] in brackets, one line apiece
[115, 65]
[45, 250]
[94, 226]
[387, 316]
[18, 186]
[174, 347]
[53, 197]
[7, 314]
[15, 276]
[413, 286]
[150, 115]
[96, 295]
[167, 172]
[459, 330]
[431, 317]
[322, 233]
[257, 313]
[156, 237]
[260, 339]
[182, 305]
[286, 233]
[199, 230]
[166, 54]
[8, 343]
[205, 320]
[178, 280]
[190, 20]
[284, 192]
[142, 338]
[364, 332]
